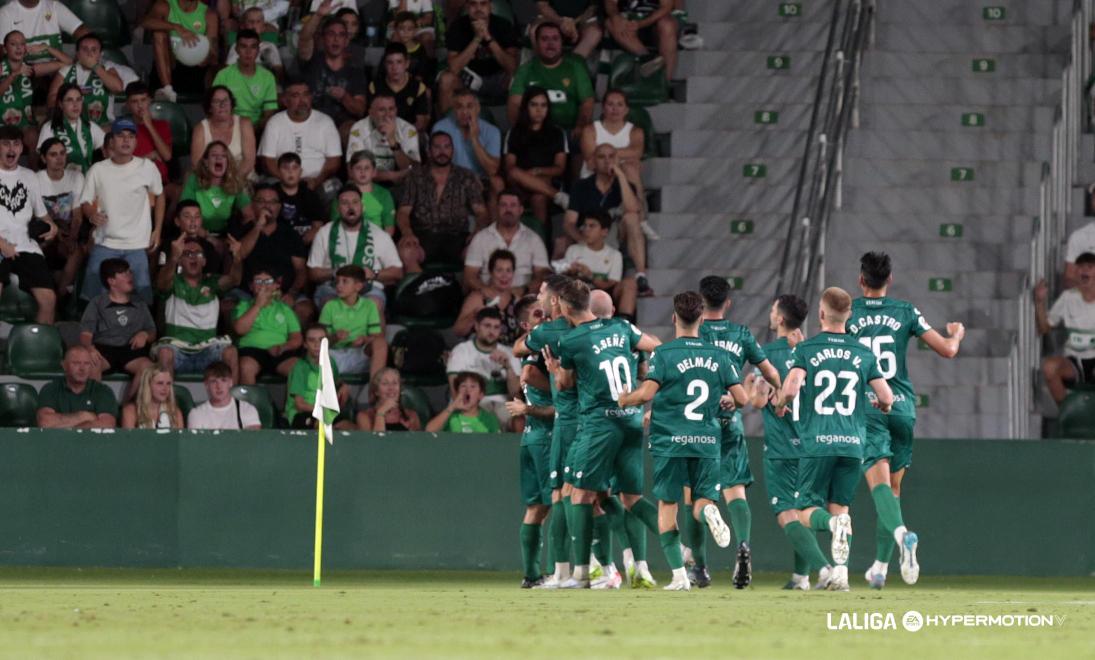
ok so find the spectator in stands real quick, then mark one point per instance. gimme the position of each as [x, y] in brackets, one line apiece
[268, 329]
[577, 19]
[76, 401]
[357, 49]
[392, 141]
[153, 135]
[154, 407]
[60, 187]
[536, 154]
[386, 411]
[484, 51]
[118, 198]
[42, 22]
[301, 207]
[305, 379]
[507, 233]
[412, 98]
[608, 190]
[268, 56]
[192, 311]
[422, 15]
[308, 133]
[477, 144]
[117, 328]
[222, 410]
[172, 22]
[613, 128]
[1080, 241]
[17, 88]
[20, 206]
[423, 65]
[464, 414]
[432, 226]
[497, 293]
[491, 360]
[600, 265]
[564, 76]
[377, 204]
[99, 82]
[340, 85]
[1075, 310]
[81, 138]
[354, 324]
[188, 223]
[217, 187]
[222, 124]
[349, 240]
[269, 245]
[634, 24]
[253, 86]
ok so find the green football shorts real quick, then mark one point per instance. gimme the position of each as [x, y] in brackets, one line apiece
[889, 436]
[672, 474]
[562, 437]
[825, 479]
[535, 474]
[608, 447]
[734, 454]
[781, 479]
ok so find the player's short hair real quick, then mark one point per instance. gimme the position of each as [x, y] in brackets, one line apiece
[501, 255]
[837, 302]
[600, 216]
[523, 306]
[555, 282]
[289, 157]
[488, 313]
[793, 310]
[1085, 258]
[110, 268]
[352, 271]
[469, 375]
[715, 291]
[403, 17]
[688, 306]
[217, 369]
[575, 294]
[875, 267]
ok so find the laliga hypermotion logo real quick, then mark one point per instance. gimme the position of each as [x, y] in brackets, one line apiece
[914, 621]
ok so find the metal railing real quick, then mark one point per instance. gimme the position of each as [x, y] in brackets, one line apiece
[835, 111]
[1048, 234]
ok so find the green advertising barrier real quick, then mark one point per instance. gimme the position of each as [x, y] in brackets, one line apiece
[403, 500]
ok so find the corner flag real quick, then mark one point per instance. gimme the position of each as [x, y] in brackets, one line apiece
[325, 411]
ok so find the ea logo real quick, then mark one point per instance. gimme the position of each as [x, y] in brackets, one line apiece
[913, 621]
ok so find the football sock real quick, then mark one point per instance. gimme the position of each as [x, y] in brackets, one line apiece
[647, 514]
[636, 534]
[530, 550]
[671, 545]
[805, 544]
[884, 544]
[741, 518]
[802, 567]
[582, 532]
[615, 513]
[557, 531]
[819, 520]
[888, 508]
[602, 540]
[697, 531]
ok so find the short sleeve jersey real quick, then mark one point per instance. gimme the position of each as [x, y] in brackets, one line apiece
[602, 353]
[217, 205]
[567, 85]
[254, 94]
[483, 422]
[1078, 318]
[304, 380]
[691, 375]
[885, 326]
[537, 430]
[191, 312]
[780, 434]
[830, 410]
[738, 341]
[272, 327]
[359, 320]
[549, 334]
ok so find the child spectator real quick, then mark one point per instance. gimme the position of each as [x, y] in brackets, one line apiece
[222, 410]
[117, 328]
[304, 380]
[301, 207]
[215, 184]
[188, 223]
[355, 324]
[463, 414]
[76, 400]
[268, 328]
[253, 85]
[377, 204]
[269, 56]
[386, 411]
[601, 265]
[421, 13]
[155, 406]
[412, 98]
[1075, 310]
[404, 31]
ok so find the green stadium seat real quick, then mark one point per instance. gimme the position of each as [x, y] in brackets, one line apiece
[105, 18]
[184, 399]
[640, 91]
[1077, 415]
[260, 399]
[181, 129]
[415, 399]
[16, 305]
[18, 405]
[35, 350]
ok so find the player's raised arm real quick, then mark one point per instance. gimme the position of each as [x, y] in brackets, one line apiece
[648, 343]
[520, 349]
[640, 396]
[769, 372]
[945, 346]
[883, 394]
[792, 385]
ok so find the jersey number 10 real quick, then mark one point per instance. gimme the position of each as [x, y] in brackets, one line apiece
[618, 373]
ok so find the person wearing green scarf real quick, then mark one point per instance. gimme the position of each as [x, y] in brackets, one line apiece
[82, 139]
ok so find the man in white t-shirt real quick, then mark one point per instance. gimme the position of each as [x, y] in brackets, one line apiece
[1075, 310]
[482, 354]
[42, 22]
[507, 233]
[601, 265]
[393, 141]
[1080, 241]
[342, 243]
[308, 133]
[222, 411]
[123, 199]
[20, 202]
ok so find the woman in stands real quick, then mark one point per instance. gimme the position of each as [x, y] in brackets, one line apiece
[222, 124]
[82, 139]
[613, 128]
[498, 292]
[386, 411]
[535, 153]
[60, 186]
[217, 187]
[154, 407]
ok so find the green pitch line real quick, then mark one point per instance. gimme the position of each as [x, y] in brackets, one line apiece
[106, 613]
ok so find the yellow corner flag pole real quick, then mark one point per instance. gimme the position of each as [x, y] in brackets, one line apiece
[316, 568]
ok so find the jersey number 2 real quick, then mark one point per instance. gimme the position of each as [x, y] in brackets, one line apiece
[700, 387]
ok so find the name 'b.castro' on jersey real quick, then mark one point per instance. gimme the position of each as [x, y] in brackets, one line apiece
[830, 411]
[885, 326]
[602, 354]
[691, 375]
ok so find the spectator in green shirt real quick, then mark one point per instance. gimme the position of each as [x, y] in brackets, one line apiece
[564, 76]
[253, 85]
[377, 205]
[268, 328]
[305, 379]
[463, 414]
[215, 184]
[354, 323]
[75, 401]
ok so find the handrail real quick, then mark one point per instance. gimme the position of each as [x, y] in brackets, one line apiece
[835, 111]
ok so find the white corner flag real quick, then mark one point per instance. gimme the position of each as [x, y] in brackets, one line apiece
[326, 408]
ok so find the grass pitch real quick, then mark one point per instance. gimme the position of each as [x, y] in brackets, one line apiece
[187, 613]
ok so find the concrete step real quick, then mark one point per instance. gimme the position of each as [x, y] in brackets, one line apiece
[931, 424]
[754, 281]
[721, 59]
[884, 173]
[965, 90]
[730, 116]
[959, 400]
[927, 145]
[748, 309]
[948, 118]
[755, 196]
[960, 65]
[942, 257]
[887, 227]
[714, 171]
[771, 35]
[953, 198]
[751, 10]
[763, 143]
[749, 89]
[930, 370]
[987, 39]
[970, 14]
[717, 226]
[733, 253]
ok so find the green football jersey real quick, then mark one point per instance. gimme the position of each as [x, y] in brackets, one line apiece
[549, 333]
[780, 434]
[601, 352]
[738, 341]
[830, 410]
[537, 429]
[885, 326]
[691, 375]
